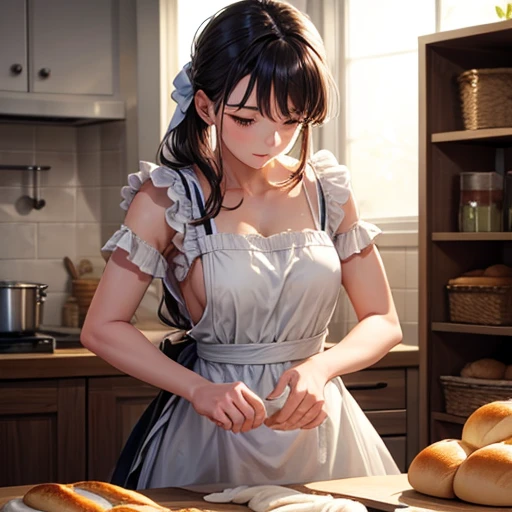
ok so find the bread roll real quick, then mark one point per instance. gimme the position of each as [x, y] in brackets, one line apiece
[491, 423]
[498, 270]
[484, 369]
[485, 478]
[433, 469]
[481, 281]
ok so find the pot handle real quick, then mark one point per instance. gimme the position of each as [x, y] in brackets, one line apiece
[41, 295]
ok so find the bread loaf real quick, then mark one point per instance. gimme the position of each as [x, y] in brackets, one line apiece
[491, 423]
[485, 477]
[498, 270]
[433, 469]
[89, 496]
[484, 369]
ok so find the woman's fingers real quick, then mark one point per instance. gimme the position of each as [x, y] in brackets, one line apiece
[257, 413]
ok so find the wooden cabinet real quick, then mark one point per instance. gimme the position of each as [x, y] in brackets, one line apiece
[42, 431]
[13, 41]
[57, 46]
[446, 150]
[114, 406]
[389, 399]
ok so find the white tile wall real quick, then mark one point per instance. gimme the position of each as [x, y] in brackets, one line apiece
[82, 194]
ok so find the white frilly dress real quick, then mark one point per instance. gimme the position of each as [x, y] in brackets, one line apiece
[269, 302]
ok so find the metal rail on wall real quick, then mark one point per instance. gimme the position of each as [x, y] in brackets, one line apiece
[36, 201]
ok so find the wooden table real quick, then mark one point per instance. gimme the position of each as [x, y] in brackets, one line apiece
[379, 494]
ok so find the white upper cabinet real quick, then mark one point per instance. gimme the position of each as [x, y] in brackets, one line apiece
[57, 46]
[70, 46]
[13, 46]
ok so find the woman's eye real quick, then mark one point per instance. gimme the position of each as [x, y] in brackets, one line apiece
[242, 121]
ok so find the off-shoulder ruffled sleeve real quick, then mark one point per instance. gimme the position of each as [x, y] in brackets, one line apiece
[335, 181]
[177, 216]
[140, 253]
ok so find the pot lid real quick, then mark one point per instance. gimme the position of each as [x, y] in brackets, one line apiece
[21, 284]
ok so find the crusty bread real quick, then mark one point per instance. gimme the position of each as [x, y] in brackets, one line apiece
[498, 270]
[50, 497]
[485, 477]
[491, 423]
[484, 369]
[433, 469]
[90, 496]
[113, 493]
[480, 281]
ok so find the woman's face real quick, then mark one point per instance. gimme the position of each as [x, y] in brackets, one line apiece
[252, 139]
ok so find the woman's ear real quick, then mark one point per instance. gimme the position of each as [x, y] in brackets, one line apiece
[204, 107]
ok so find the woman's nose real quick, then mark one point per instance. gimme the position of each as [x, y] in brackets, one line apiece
[273, 139]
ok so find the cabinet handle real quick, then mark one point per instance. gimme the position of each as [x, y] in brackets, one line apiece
[45, 72]
[16, 69]
[366, 386]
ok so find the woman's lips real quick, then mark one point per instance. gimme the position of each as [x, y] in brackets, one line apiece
[260, 155]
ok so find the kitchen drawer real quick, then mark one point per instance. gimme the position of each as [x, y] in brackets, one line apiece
[397, 446]
[388, 422]
[378, 389]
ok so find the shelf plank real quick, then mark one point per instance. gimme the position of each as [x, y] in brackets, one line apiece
[490, 136]
[498, 236]
[449, 418]
[492, 330]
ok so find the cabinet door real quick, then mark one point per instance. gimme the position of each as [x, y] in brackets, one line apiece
[115, 405]
[13, 44]
[42, 431]
[71, 46]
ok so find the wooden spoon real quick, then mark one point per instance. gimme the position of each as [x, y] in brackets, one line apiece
[70, 267]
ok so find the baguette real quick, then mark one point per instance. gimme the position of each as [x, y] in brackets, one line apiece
[89, 496]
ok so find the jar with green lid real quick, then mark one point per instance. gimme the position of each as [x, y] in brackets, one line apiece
[481, 202]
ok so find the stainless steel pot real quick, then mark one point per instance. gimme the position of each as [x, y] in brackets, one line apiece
[21, 306]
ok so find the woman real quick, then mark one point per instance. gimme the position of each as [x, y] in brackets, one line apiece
[253, 247]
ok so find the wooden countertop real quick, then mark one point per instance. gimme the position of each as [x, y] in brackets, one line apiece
[80, 362]
[378, 493]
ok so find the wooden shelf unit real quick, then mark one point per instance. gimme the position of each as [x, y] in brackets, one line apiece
[445, 150]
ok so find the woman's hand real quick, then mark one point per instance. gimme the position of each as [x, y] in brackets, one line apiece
[305, 407]
[232, 406]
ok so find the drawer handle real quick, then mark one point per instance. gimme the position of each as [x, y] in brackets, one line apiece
[365, 387]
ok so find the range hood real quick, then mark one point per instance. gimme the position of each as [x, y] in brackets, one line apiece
[60, 109]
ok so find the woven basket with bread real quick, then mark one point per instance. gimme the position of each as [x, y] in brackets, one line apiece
[477, 468]
[89, 496]
[480, 382]
[482, 296]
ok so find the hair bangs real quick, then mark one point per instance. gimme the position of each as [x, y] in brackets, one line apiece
[290, 81]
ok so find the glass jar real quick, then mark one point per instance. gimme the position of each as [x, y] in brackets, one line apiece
[481, 202]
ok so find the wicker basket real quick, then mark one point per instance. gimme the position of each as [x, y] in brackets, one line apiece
[84, 290]
[486, 98]
[478, 304]
[463, 395]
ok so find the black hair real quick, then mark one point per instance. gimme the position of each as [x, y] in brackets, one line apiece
[280, 49]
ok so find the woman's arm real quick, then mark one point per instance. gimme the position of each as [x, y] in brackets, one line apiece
[107, 330]
[378, 331]
[108, 333]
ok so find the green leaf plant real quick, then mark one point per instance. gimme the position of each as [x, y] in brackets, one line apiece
[504, 13]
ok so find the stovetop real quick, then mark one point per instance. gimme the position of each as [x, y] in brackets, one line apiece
[26, 343]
